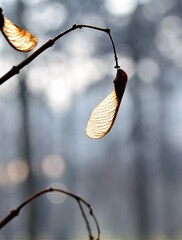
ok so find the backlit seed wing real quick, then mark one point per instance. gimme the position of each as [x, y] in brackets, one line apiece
[17, 37]
[104, 114]
[102, 118]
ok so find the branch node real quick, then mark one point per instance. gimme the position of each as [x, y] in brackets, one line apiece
[74, 26]
[15, 69]
[15, 212]
[51, 189]
[50, 42]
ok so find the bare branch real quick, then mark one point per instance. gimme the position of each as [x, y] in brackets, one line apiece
[86, 221]
[15, 212]
[16, 69]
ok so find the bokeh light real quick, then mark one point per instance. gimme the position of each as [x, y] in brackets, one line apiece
[148, 69]
[154, 11]
[169, 37]
[121, 7]
[138, 165]
[45, 19]
[17, 171]
[53, 166]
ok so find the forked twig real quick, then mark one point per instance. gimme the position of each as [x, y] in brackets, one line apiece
[15, 212]
[16, 69]
[86, 220]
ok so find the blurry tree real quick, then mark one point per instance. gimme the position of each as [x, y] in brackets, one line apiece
[133, 176]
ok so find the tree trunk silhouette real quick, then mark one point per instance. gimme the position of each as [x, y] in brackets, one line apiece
[29, 185]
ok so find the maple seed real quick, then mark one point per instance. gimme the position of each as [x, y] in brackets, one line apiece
[104, 114]
[18, 38]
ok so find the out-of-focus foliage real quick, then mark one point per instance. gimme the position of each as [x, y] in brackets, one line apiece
[133, 176]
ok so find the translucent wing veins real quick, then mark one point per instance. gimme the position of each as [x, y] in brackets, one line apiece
[104, 114]
[17, 37]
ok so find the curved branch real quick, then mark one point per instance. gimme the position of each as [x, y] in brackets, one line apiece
[16, 69]
[15, 212]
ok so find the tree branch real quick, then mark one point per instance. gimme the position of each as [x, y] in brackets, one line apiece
[16, 69]
[15, 212]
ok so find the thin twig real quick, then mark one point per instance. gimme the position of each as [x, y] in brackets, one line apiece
[86, 220]
[16, 69]
[15, 212]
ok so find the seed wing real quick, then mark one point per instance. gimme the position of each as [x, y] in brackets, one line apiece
[103, 116]
[17, 37]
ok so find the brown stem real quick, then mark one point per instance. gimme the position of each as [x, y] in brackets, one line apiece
[86, 220]
[15, 212]
[16, 69]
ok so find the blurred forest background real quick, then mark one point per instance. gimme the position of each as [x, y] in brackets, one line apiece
[133, 176]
